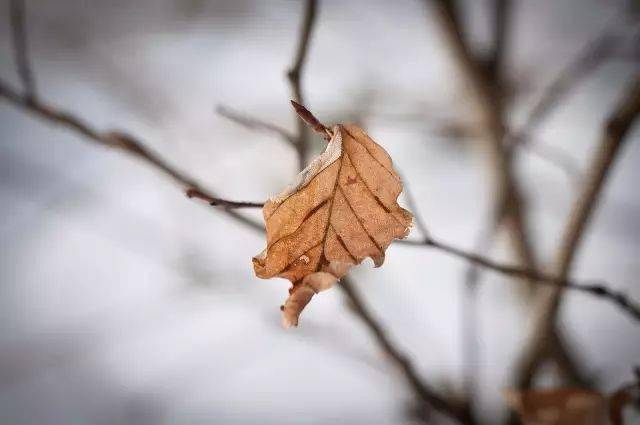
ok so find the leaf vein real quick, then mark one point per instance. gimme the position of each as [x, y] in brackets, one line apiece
[364, 229]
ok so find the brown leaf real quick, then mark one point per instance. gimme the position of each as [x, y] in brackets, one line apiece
[561, 406]
[340, 210]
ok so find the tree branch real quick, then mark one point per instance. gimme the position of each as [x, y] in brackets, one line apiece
[218, 202]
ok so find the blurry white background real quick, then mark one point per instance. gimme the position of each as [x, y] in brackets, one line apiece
[124, 302]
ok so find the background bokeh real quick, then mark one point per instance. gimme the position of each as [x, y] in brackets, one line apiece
[124, 302]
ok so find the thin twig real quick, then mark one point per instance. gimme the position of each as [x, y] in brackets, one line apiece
[21, 47]
[598, 289]
[117, 140]
[614, 135]
[422, 390]
[256, 124]
[218, 202]
[294, 74]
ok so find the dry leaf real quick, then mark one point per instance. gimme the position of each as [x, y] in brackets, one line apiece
[562, 406]
[341, 209]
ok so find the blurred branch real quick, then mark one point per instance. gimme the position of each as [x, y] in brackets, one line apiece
[423, 391]
[118, 140]
[487, 95]
[21, 47]
[256, 124]
[294, 74]
[616, 128]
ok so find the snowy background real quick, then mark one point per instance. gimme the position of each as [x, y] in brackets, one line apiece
[123, 302]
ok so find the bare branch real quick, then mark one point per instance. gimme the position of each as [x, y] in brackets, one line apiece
[116, 140]
[423, 391]
[256, 124]
[224, 203]
[617, 127]
[21, 47]
[294, 74]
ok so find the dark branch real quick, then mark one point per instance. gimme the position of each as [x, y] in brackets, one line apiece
[21, 47]
[218, 202]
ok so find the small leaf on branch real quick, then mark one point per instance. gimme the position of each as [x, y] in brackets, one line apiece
[571, 406]
[340, 210]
